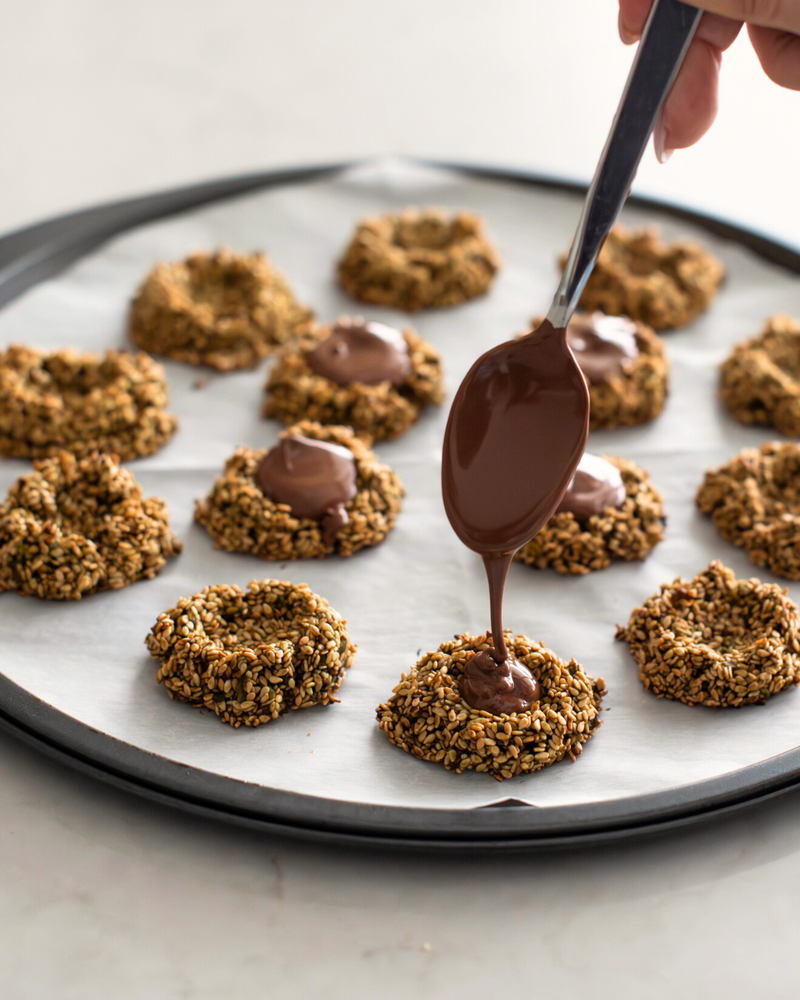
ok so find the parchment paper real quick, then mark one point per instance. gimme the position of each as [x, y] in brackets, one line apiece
[421, 586]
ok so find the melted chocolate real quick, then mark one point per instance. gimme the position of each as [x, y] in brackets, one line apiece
[502, 687]
[313, 478]
[515, 434]
[602, 344]
[596, 485]
[362, 352]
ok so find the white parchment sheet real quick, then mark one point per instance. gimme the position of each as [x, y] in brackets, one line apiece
[421, 586]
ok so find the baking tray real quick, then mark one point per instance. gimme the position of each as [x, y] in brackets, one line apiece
[32, 256]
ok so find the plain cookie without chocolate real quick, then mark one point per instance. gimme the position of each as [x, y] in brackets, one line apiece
[251, 655]
[754, 500]
[225, 310]
[715, 640]
[418, 259]
[760, 381]
[76, 526]
[665, 285]
[68, 401]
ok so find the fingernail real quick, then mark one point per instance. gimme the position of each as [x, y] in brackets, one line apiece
[659, 142]
[624, 34]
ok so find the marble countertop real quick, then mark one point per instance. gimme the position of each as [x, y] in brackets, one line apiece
[105, 895]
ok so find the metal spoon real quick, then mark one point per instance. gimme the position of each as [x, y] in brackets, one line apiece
[519, 421]
[666, 37]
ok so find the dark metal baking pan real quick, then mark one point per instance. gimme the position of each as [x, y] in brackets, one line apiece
[36, 253]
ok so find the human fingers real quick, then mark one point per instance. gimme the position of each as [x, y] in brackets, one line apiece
[691, 106]
[713, 28]
[779, 54]
[781, 14]
[632, 16]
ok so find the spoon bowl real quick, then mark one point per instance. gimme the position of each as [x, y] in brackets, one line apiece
[519, 422]
[516, 432]
[515, 435]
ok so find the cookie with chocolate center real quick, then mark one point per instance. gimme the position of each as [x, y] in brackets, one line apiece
[610, 511]
[625, 365]
[320, 491]
[368, 376]
[427, 716]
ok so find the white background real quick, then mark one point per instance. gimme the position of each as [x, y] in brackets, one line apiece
[100, 100]
[103, 896]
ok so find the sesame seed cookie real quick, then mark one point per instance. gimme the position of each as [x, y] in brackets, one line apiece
[715, 640]
[754, 500]
[249, 656]
[427, 717]
[241, 518]
[628, 532]
[665, 285]
[381, 411]
[634, 394]
[760, 381]
[418, 259]
[76, 526]
[81, 403]
[225, 310]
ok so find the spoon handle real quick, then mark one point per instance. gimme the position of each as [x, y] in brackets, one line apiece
[666, 38]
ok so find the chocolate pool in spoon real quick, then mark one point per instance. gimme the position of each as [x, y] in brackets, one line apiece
[519, 421]
[516, 432]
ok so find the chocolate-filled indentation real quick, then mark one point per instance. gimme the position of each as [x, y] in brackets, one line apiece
[500, 686]
[596, 485]
[368, 353]
[314, 479]
[602, 344]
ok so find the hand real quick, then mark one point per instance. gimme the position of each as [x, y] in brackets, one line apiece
[691, 106]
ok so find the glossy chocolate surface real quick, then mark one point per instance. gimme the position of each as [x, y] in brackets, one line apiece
[368, 353]
[500, 686]
[514, 437]
[602, 345]
[314, 479]
[596, 485]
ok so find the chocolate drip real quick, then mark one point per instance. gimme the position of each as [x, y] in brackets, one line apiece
[313, 478]
[500, 686]
[362, 352]
[602, 344]
[333, 522]
[516, 431]
[596, 485]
